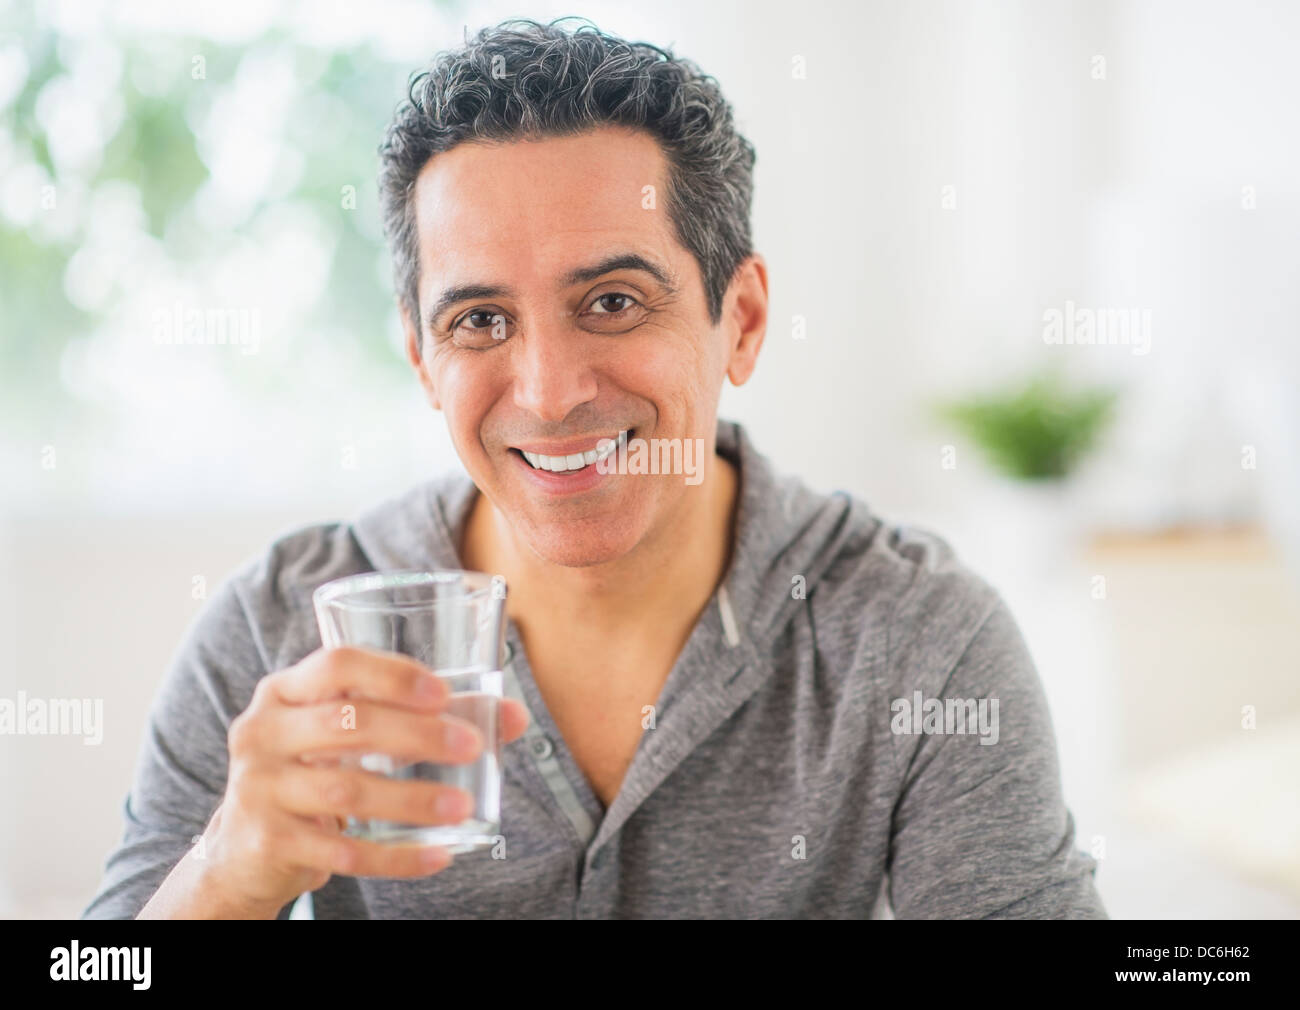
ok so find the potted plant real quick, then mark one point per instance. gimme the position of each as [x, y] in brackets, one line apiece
[1034, 433]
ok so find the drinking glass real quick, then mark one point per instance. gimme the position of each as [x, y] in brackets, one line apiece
[454, 623]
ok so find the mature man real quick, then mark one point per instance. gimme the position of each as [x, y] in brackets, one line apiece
[732, 696]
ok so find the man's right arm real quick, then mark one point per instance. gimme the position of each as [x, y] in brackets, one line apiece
[181, 768]
[189, 892]
[240, 791]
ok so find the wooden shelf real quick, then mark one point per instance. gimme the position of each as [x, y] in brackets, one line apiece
[1190, 543]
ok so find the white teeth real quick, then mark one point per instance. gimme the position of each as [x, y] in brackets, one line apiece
[577, 460]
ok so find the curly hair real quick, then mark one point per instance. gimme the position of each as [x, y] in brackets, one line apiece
[523, 80]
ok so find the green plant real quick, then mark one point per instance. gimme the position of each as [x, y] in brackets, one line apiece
[1036, 430]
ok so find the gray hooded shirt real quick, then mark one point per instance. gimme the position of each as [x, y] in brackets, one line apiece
[853, 728]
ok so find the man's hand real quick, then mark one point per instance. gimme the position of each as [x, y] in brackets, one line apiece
[277, 830]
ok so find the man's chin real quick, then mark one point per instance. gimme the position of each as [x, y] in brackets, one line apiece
[565, 551]
[580, 543]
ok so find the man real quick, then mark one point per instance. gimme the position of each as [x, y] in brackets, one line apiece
[724, 684]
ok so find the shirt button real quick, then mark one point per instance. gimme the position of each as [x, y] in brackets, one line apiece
[543, 747]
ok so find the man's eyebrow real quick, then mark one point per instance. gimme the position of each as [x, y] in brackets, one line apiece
[619, 261]
[462, 293]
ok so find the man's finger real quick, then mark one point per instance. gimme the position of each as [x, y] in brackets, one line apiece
[350, 671]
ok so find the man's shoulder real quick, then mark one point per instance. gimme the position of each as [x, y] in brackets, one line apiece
[273, 587]
[302, 557]
[295, 561]
[883, 563]
[853, 561]
[902, 585]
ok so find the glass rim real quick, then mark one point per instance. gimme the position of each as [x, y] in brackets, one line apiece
[335, 592]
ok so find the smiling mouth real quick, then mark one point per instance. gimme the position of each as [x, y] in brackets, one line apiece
[576, 461]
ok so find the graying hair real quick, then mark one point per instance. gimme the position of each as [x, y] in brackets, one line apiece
[550, 82]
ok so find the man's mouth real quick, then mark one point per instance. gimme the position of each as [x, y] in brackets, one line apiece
[577, 460]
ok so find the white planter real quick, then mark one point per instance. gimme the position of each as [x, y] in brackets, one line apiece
[1035, 527]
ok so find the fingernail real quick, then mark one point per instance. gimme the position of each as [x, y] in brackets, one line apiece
[453, 805]
[436, 857]
[462, 739]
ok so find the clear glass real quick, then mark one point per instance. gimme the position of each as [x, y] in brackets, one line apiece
[454, 623]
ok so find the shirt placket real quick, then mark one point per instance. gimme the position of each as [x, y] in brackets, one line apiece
[539, 742]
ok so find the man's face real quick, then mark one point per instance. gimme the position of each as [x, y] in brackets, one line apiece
[554, 353]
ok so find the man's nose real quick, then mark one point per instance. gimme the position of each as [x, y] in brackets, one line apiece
[552, 371]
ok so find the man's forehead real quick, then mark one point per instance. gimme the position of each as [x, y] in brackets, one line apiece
[527, 197]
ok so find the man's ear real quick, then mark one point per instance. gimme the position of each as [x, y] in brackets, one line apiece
[413, 355]
[746, 319]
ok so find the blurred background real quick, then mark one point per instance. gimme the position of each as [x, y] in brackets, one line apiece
[1033, 276]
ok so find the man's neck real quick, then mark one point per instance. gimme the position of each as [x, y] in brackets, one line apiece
[658, 586]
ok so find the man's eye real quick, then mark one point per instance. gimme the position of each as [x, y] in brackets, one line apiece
[606, 309]
[480, 328]
[483, 318]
